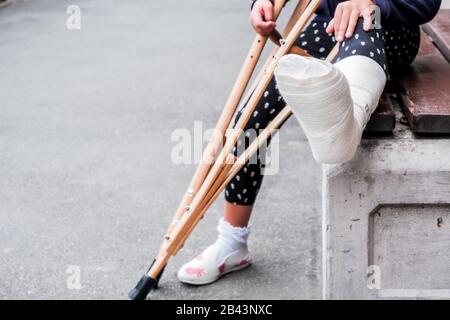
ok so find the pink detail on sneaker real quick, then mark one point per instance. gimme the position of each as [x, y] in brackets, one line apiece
[199, 257]
[195, 271]
[243, 262]
[222, 268]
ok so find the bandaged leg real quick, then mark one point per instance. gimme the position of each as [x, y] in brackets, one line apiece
[332, 102]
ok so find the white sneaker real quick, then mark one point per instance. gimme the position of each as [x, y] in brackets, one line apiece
[204, 269]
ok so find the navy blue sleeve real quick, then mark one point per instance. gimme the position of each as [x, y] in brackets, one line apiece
[412, 12]
[409, 12]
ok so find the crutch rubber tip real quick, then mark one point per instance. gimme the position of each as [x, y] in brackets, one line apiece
[142, 288]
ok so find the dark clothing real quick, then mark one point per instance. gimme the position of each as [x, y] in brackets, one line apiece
[406, 12]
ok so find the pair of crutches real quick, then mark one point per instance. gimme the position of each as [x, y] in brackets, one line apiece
[219, 165]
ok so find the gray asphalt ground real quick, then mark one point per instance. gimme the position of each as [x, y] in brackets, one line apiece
[86, 177]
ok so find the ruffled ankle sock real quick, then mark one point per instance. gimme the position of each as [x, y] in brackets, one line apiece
[230, 239]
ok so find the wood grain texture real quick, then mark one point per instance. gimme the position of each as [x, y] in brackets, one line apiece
[425, 90]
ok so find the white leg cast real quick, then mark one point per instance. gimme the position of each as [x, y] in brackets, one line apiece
[332, 102]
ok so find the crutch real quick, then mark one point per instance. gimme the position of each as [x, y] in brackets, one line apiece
[225, 118]
[188, 219]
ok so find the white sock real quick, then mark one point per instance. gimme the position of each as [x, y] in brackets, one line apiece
[230, 239]
[332, 102]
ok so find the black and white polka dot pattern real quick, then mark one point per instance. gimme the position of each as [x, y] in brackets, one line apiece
[365, 43]
[402, 45]
[392, 48]
[244, 187]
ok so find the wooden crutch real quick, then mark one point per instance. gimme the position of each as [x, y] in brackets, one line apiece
[180, 231]
[225, 118]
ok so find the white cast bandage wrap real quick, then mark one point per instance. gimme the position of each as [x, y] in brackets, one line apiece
[332, 102]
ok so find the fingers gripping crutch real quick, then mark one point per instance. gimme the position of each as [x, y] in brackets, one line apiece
[296, 14]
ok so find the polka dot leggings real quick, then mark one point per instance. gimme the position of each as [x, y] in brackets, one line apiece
[392, 48]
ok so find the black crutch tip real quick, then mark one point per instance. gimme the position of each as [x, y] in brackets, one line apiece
[142, 288]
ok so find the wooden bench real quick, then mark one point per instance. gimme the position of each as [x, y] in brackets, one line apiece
[424, 87]
[425, 97]
[386, 213]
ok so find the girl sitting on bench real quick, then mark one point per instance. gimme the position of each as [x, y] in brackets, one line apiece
[333, 102]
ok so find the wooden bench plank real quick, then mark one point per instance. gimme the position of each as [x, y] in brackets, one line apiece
[439, 31]
[383, 119]
[425, 94]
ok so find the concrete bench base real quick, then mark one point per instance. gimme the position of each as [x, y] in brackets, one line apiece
[386, 220]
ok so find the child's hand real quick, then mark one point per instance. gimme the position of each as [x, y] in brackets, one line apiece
[261, 17]
[346, 17]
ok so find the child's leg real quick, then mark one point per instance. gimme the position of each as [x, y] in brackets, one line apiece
[237, 215]
[334, 102]
[230, 251]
